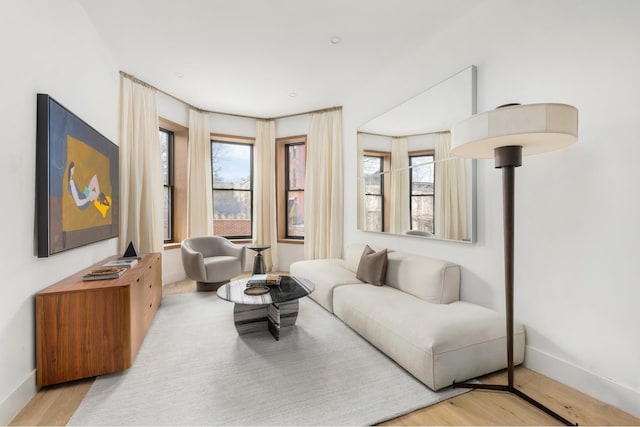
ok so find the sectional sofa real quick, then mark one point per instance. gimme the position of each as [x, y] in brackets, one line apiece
[416, 318]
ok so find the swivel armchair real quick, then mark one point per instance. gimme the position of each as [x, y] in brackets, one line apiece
[211, 261]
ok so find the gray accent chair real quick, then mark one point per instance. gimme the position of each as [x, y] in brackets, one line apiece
[211, 260]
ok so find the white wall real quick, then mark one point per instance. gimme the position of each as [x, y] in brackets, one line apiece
[47, 47]
[576, 209]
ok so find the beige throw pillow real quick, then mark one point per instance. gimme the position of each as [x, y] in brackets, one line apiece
[373, 266]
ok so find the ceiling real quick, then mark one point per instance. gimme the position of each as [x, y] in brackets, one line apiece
[264, 58]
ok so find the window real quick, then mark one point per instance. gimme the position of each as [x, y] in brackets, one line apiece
[173, 145]
[373, 166]
[294, 183]
[291, 161]
[232, 176]
[377, 203]
[421, 198]
[166, 149]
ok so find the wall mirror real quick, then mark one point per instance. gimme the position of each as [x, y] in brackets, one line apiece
[408, 182]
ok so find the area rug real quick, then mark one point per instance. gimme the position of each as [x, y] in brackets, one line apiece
[194, 369]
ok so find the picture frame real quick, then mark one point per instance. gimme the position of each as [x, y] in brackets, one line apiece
[77, 181]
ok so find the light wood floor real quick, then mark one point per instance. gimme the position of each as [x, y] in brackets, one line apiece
[54, 405]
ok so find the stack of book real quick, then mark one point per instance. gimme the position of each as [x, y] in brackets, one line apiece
[104, 273]
[124, 263]
[263, 279]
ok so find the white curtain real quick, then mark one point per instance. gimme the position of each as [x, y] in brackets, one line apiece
[141, 180]
[323, 213]
[362, 211]
[399, 215]
[199, 185]
[264, 192]
[450, 207]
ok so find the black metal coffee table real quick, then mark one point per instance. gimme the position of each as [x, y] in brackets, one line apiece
[272, 311]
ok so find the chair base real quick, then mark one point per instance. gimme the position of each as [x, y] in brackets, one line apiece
[209, 286]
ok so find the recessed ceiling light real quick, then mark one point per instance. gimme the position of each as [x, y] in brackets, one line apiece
[179, 75]
[293, 94]
[336, 39]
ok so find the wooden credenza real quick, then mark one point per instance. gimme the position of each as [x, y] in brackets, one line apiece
[85, 329]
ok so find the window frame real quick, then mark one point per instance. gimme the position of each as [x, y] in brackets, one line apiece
[422, 153]
[170, 180]
[287, 182]
[282, 186]
[386, 184]
[235, 140]
[179, 179]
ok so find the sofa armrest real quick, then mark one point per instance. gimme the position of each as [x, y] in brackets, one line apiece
[193, 263]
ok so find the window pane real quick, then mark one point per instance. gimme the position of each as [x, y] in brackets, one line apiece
[231, 165]
[372, 168]
[167, 221]
[231, 213]
[295, 214]
[422, 175]
[373, 212]
[164, 150]
[296, 158]
[422, 213]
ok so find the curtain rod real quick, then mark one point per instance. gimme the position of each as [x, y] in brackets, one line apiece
[404, 136]
[143, 83]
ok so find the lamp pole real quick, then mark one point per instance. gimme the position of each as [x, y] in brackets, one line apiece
[508, 158]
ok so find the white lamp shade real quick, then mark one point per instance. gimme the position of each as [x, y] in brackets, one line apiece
[537, 128]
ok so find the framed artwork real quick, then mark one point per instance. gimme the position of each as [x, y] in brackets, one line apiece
[77, 181]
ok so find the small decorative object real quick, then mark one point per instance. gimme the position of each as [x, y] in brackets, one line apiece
[256, 290]
[130, 253]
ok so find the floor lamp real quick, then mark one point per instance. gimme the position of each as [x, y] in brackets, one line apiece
[506, 134]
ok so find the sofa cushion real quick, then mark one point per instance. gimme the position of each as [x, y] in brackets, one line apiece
[326, 274]
[427, 278]
[373, 266]
[437, 343]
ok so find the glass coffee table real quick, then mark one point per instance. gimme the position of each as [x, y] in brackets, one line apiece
[276, 309]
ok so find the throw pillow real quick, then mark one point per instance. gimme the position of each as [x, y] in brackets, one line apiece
[373, 266]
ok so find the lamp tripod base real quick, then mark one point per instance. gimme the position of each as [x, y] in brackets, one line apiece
[520, 394]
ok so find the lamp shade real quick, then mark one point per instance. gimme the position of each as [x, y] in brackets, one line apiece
[537, 128]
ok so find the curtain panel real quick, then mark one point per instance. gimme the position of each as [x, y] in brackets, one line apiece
[324, 201]
[199, 180]
[362, 212]
[450, 205]
[264, 189]
[399, 215]
[141, 180]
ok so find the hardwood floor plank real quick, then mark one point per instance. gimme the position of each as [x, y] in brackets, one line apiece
[483, 407]
[53, 405]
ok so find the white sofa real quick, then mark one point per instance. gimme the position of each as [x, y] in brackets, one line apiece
[416, 318]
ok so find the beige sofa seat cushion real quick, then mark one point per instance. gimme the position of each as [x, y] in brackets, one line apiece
[326, 274]
[430, 279]
[437, 343]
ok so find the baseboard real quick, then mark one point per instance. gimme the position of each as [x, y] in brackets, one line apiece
[13, 404]
[587, 382]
